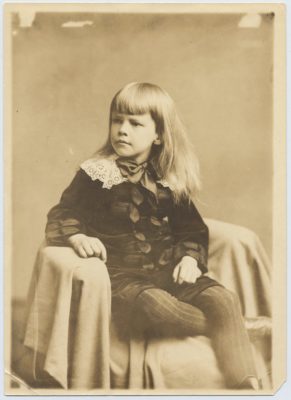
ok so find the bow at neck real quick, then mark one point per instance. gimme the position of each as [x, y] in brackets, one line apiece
[134, 172]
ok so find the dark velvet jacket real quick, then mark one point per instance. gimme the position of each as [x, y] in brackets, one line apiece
[139, 229]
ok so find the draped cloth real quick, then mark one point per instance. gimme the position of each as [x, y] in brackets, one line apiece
[68, 320]
[71, 336]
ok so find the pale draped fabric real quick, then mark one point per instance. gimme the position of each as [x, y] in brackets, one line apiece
[69, 322]
[238, 260]
[60, 334]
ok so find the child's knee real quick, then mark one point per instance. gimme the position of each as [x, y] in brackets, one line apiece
[222, 300]
[231, 298]
[152, 300]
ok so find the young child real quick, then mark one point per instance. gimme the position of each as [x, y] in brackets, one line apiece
[132, 206]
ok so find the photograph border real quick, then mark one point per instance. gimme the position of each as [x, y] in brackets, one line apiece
[279, 281]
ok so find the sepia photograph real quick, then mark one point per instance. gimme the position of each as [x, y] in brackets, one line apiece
[145, 199]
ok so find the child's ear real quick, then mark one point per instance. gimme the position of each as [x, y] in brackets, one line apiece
[157, 141]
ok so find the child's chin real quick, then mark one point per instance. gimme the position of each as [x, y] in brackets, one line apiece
[123, 152]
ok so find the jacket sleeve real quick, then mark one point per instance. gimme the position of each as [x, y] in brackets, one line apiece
[190, 233]
[70, 215]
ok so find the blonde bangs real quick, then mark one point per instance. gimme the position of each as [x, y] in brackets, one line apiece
[139, 98]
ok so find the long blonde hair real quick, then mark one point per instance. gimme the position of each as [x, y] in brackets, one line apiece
[174, 160]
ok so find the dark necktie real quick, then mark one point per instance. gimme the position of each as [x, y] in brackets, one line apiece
[135, 173]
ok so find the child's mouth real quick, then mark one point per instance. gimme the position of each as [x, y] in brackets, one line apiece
[122, 142]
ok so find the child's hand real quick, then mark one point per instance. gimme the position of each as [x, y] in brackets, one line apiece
[186, 271]
[86, 246]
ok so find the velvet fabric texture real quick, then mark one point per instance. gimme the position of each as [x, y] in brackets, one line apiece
[144, 231]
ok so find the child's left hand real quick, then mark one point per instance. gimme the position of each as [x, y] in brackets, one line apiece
[186, 271]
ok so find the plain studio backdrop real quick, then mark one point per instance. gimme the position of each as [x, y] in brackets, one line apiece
[68, 66]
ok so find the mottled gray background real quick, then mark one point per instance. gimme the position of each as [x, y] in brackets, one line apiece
[218, 72]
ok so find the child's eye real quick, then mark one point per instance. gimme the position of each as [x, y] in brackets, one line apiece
[135, 123]
[117, 120]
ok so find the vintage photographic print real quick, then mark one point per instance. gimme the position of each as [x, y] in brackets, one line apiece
[144, 199]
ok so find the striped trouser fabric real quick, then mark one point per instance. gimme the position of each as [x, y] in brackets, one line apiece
[214, 312]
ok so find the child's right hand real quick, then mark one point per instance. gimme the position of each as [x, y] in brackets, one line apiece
[86, 246]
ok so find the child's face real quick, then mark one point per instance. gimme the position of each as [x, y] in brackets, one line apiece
[133, 135]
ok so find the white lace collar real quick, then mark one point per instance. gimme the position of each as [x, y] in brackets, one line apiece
[107, 171]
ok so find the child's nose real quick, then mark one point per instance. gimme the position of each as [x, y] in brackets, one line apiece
[123, 129]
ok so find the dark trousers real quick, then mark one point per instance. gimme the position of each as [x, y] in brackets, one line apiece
[214, 312]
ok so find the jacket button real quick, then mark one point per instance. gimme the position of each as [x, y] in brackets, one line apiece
[139, 236]
[133, 214]
[136, 196]
[166, 256]
[191, 245]
[144, 247]
[148, 266]
[155, 221]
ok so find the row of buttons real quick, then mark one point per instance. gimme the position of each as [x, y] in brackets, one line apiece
[137, 199]
[144, 246]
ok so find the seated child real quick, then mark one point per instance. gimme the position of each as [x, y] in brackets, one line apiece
[132, 205]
